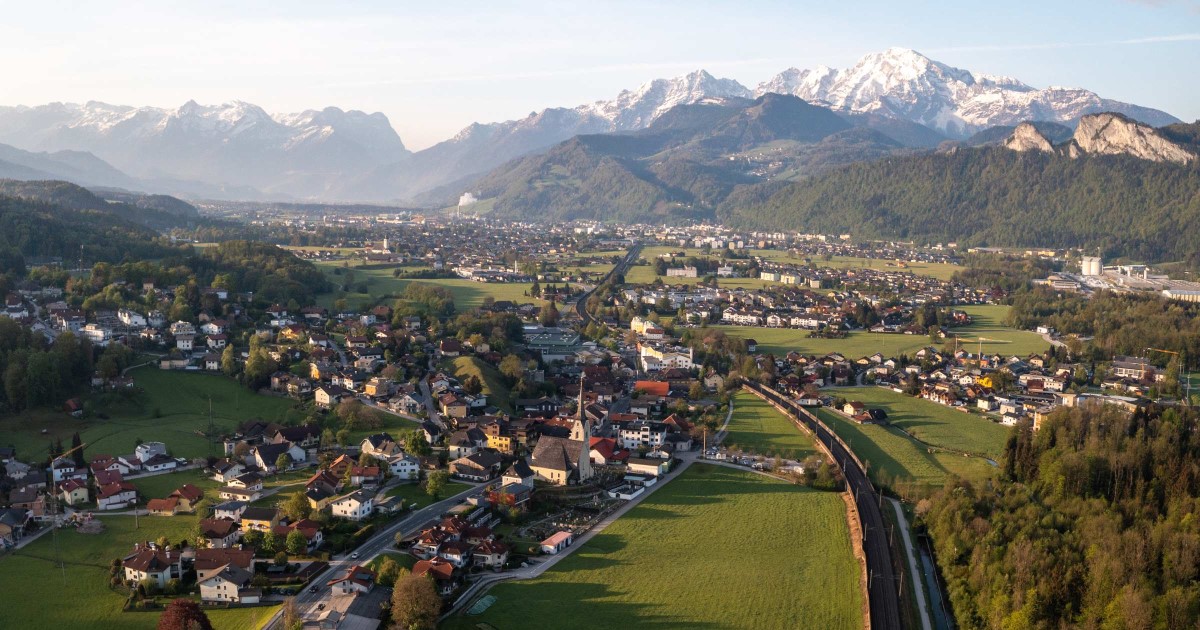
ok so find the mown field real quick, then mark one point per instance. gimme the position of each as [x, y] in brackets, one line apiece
[937, 270]
[173, 410]
[383, 287]
[893, 458]
[36, 596]
[493, 382]
[414, 493]
[692, 556]
[987, 324]
[758, 428]
[933, 423]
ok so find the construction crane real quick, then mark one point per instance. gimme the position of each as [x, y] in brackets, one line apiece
[1187, 398]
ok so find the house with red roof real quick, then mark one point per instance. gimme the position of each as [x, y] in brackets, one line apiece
[606, 451]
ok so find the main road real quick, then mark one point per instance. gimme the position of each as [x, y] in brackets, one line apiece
[411, 523]
[882, 586]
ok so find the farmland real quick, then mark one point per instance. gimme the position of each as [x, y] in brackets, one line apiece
[30, 575]
[173, 409]
[758, 428]
[383, 287]
[935, 424]
[893, 458]
[608, 582]
[987, 325]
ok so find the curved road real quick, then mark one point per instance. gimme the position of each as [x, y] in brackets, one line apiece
[882, 582]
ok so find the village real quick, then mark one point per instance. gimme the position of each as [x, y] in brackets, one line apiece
[486, 442]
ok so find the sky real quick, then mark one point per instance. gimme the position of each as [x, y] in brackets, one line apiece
[435, 67]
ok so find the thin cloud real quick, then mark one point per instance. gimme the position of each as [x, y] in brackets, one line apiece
[1155, 39]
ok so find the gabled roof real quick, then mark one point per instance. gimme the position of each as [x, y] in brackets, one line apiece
[189, 492]
[209, 559]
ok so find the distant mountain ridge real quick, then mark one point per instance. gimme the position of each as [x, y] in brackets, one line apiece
[238, 150]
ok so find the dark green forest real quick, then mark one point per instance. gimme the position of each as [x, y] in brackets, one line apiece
[993, 196]
[1095, 524]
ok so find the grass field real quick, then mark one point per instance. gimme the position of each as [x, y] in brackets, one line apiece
[493, 382]
[179, 399]
[382, 286]
[692, 556]
[937, 270]
[933, 423]
[413, 493]
[987, 324]
[891, 456]
[159, 486]
[757, 427]
[32, 577]
[403, 559]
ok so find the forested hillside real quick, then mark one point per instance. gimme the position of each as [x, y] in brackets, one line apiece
[1096, 524]
[993, 196]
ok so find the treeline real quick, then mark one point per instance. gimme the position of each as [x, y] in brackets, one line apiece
[1120, 323]
[1005, 273]
[272, 273]
[37, 373]
[1095, 523]
[993, 196]
[34, 229]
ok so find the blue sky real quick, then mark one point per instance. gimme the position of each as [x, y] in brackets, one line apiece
[433, 68]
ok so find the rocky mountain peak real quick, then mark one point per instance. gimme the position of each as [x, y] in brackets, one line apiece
[1026, 137]
[1114, 134]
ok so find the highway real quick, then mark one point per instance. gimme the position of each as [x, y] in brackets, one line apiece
[621, 268]
[882, 585]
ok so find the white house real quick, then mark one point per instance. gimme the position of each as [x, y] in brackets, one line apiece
[405, 466]
[147, 450]
[229, 586]
[133, 319]
[354, 506]
[557, 542]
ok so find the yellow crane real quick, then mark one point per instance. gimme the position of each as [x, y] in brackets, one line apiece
[1187, 398]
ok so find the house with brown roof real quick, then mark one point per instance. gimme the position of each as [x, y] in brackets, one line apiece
[163, 507]
[211, 561]
[73, 492]
[229, 585]
[221, 533]
[188, 496]
[357, 579]
[115, 496]
[441, 570]
[490, 553]
[149, 561]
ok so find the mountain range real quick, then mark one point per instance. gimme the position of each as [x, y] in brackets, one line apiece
[238, 150]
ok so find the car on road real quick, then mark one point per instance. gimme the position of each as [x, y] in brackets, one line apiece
[354, 556]
[312, 590]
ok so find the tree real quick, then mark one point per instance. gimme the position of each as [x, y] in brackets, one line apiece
[297, 544]
[281, 558]
[291, 615]
[77, 450]
[389, 570]
[436, 483]
[297, 507]
[229, 361]
[473, 385]
[184, 614]
[415, 602]
[416, 443]
[548, 315]
[271, 542]
[252, 537]
[283, 462]
[512, 368]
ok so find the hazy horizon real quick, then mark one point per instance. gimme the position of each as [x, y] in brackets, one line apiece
[433, 70]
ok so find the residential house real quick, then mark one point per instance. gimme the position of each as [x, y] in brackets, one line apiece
[115, 496]
[231, 585]
[264, 519]
[357, 579]
[405, 466]
[151, 562]
[441, 570]
[354, 506]
[210, 561]
[480, 466]
[221, 533]
[73, 492]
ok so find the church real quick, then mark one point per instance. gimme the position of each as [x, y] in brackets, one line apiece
[565, 461]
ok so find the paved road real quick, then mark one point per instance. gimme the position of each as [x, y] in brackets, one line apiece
[307, 601]
[881, 580]
[917, 582]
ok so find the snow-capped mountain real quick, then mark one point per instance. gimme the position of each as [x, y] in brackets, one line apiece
[232, 145]
[906, 84]
[481, 147]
